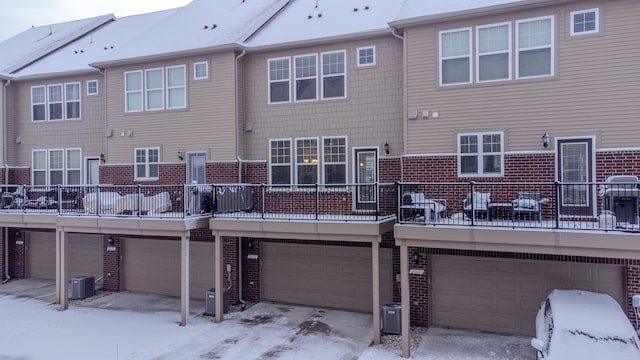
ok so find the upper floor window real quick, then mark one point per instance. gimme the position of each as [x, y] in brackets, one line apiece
[494, 52]
[154, 89]
[534, 38]
[72, 100]
[335, 160]
[56, 167]
[306, 77]
[147, 162]
[334, 84]
[584, 22]
[133, 91]
[367, 56]
[455, 57]
[280, 161]
[307, 161]
[55, 101]
[279, 80]
[38, 103]
[176, 87]
[480, 154]
[92, 87]
[201, 70]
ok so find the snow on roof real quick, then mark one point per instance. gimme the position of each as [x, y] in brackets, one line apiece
[37, 42]
[304, 20]
[425, 8]
[199, 25]
[76, 56]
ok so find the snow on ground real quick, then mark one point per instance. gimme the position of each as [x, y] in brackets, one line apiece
[33, 330]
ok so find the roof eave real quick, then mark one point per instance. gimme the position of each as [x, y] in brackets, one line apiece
[55, 74]
[320, 41]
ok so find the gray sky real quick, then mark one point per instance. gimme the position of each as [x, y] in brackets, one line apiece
[17, 16]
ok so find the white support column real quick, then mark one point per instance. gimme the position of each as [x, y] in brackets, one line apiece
[58, 267]
[375, 266]
[219, 276]
[406, 303]
[63, 273]
[184, 280]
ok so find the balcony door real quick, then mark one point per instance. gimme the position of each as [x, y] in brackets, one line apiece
[366, 172]
[196, 167]
[575, 166]
[93, 171]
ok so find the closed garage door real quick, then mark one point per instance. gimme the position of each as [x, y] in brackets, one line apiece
[328, 276]
[153, 266]
[85, 255]
[501, 295]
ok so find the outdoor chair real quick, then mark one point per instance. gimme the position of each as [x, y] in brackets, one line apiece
[528, 203]
[415, 204]
[477, 204]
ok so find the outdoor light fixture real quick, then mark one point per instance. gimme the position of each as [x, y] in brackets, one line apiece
[545, 140]
[386, 148]
[416, 257]
[102, 159]
[250, 244]
[180, 155]
[110, 240]
[17, 233]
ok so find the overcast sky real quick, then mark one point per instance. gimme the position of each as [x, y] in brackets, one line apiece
[17, 16]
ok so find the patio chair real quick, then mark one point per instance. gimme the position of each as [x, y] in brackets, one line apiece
[415, 204]
[14, 199]
[528, 203]
[478, 206]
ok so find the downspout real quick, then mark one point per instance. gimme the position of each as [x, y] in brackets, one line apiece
[404, 99]
[240, 161]
[6, 177]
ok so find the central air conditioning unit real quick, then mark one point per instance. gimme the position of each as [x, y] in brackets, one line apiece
[210, 302]
[82, 287]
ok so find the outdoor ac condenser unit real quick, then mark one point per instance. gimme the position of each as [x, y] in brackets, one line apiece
[82, 287]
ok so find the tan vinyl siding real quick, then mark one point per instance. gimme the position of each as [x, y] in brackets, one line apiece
[2, 114]
[86, 133]
[370, 115]
[594, 90]
[206, 124]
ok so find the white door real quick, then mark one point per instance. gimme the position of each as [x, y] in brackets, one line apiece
[93, 171]
[196, 167]
[366, 173]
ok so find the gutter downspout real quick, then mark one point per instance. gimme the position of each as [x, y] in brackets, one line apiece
[6, 177]
[404, 99]
[240, 161]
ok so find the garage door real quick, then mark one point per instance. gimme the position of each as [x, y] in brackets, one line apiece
[328, 276]
[503, 296]
[153, 266]
[85, 255]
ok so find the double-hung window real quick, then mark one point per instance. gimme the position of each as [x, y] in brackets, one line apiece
[280, 161]
[480, 154]
[38, 103]
[307, 161]
[56, 167]
[279, 80]
[455, 57]
[154, 89]
[306, 77]
[493, 52]
[176, 87]
[133, 91]
[72, 100]
[147, 162]
[39, 167]
[334, 83]
[534, 38]
[55, 102]
[335, 160]
[74, 164]
[584, 22]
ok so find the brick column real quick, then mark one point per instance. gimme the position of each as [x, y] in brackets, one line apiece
[419, 288]
[633, 288]
[17, 247]
[230, 256]
[250, 270]
[111, 264]
[2, 242]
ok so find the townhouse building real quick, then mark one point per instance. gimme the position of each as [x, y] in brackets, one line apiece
[453, 157]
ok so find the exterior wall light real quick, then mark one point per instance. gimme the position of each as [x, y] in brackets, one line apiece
[102, 159]
[545, 140]
[180, 155]
[386, 148]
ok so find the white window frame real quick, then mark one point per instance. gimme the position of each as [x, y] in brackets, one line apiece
[508, 51]
[89, 85]
[176, 87]
[50, 170]
[148, 90]
[206, 70]
[551, 46]
[270, 81]
[296, 78]
[140, 92]
[289, 164]
[146, 163]
[344, 163]
[586, 32]
[373, 49]
[44, 103]
[67, 101]
[343, 74]
[68, 169]
[41, 170]
[480, 154]
[442, 59]
[316, 163]
[61, 102]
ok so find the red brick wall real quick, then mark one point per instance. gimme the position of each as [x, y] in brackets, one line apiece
[20, 176]
[169, 174]
[251, 270]
[633, 288]
[17, 266]
[255, 173]
[419, 288]
[111, 264]
[617, 163]
[230, 256]
[2, 242]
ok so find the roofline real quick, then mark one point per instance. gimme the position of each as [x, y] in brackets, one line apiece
[526, 4]
[320, 41]
[167, 55]
[55, 74]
